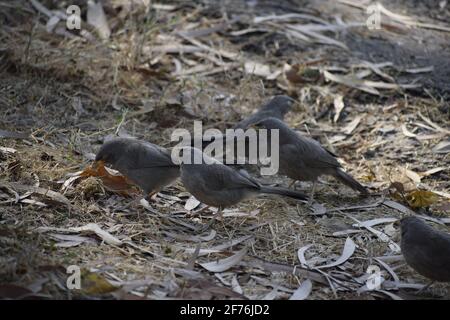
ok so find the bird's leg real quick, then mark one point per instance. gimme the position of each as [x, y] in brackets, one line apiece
[311, 195]
[213, 220]
[420, 291]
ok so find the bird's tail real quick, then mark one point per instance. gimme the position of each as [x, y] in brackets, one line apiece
[283, 192]
[350, 181]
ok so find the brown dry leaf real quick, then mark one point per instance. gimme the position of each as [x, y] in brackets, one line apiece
[421, 198]
[93, 283]
[300, 73]
[115, 183]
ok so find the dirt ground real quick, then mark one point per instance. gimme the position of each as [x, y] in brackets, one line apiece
[377, 98]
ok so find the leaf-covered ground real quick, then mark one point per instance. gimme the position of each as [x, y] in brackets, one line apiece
[377, 98]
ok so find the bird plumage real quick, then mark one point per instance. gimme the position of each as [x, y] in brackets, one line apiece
[425, 249]
[147, 165]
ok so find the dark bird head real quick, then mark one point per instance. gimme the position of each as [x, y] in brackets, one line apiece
[410, 223]
[111, 150]
[281, 103]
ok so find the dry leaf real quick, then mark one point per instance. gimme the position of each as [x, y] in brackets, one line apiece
[397, 206]
[67, 241]
[338, 107]
[412, 176]
[349, 128]
[104, 235]
[56, 196]
[115, 183]
[94, 283]
[7, 150]
[220, 247]
[225, 264]
[408, 133]
[347, 252]
[350, 82]
[97, 18]
[191, 203]
[301, 256]
[442, 147]
[421, 198]
[432, 171]
[374, 222]
[235, 286]
[256, 68]
[303, 291]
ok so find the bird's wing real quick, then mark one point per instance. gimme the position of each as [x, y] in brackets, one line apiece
[431, 246]
[440, 248]
[145, 155]
[311, 153]
[220, 177]
[243, 124]
[258, 116]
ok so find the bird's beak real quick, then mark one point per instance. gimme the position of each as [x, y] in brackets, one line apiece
[292, 101]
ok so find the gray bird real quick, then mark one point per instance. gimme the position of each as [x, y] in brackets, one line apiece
[145, 164]
[277, 107]
[304, 159]
[425, 249]
[218, 185]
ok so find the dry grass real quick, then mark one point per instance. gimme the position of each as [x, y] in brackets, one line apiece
[67, 94]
